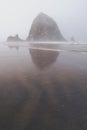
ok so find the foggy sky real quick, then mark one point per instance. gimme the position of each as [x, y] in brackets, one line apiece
[16, 16]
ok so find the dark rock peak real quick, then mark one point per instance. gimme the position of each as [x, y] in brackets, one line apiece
[72, 39]
[43, 16]
[44, 28]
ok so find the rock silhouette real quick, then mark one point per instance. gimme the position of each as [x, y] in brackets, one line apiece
[72, 39]
[44, 28]
[14, 38]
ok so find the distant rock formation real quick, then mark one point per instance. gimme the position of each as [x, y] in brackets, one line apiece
[13, 38]
[72, 39]
[44, 28]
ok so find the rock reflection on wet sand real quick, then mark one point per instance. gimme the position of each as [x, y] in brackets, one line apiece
[53, 99]
[42, 58]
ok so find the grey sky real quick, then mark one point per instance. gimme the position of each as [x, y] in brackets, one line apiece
[16, 16]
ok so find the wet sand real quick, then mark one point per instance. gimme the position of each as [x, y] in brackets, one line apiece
[42, 89]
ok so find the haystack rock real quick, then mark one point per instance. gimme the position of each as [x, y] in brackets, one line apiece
[13, 38]
[44, 28]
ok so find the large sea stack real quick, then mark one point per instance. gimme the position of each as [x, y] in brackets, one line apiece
[44, 28]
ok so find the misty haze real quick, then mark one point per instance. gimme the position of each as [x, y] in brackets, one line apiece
[43, 65]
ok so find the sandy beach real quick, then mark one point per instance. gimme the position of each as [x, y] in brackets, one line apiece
[43, 88]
